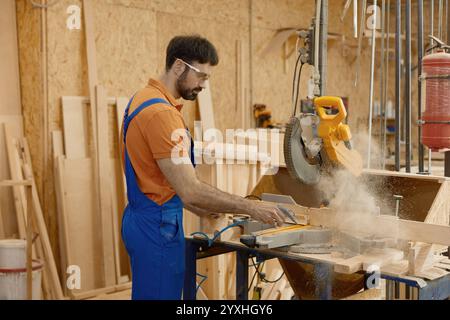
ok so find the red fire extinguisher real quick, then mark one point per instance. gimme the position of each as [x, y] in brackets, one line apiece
[436, 92]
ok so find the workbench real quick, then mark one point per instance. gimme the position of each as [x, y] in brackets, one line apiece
[197, 249]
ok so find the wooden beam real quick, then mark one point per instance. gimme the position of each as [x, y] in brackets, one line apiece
[104, 180]
[29, 243]
[205, 105]
[11, 183]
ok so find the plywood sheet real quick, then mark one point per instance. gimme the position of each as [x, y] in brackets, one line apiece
[83, 242]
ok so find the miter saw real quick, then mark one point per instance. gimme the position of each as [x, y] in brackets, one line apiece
[314, 144]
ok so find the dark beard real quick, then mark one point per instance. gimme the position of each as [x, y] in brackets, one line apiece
[184, 91]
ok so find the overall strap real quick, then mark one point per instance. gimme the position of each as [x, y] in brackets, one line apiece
[127, 118]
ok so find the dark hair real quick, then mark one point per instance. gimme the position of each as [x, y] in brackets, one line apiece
[191, 48]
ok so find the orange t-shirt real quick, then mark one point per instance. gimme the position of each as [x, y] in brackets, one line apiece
[149, 138]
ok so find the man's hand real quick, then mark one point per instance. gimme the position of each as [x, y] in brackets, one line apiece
[267, 213]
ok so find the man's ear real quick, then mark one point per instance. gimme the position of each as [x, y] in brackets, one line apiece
[178, 68]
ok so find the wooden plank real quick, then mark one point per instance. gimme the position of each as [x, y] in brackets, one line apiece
[101, 202]
[439, 212]
[350, 265]
[205, 105]
[105, 181]
[9, 60]
[376, 172]
[2, 229]
[79, 213]
[115, 223]
[29, 243]
[58, 152]
[75, 124]
[12, 183]
[121, 105]
[63, 227]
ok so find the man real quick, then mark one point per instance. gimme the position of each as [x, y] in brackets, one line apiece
[158, 186]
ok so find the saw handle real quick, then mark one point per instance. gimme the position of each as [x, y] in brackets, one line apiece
[333, 102]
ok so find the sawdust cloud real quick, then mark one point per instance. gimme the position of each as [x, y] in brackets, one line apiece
[354, 200]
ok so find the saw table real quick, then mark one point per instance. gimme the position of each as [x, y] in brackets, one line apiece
[323, 264]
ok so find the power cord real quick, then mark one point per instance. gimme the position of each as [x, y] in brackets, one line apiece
[262, 276]
[298, 88]
[210, 243]
[211, 240]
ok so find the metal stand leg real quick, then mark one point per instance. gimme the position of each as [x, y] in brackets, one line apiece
[242, 275]
[323, 277]
[190, 275]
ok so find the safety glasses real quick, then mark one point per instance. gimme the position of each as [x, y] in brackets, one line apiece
[202, 75]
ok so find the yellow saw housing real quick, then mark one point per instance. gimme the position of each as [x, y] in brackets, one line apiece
[336, 135]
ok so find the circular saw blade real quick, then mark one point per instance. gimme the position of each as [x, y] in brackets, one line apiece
[299, 166]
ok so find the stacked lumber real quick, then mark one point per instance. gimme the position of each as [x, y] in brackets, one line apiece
[90, 201]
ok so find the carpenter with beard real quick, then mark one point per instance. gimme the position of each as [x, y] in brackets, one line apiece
[159, 168]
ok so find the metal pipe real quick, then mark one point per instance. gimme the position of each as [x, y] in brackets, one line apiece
[432, 22]
[447, 22]
[372, 76]
[355, 18]
[317, 80]
[361, 35]
[440, 12]
[419, 74]
[323, 63]
[386, 78]
[398, 48]
[432, 45]
[382, 114]
[408, 86]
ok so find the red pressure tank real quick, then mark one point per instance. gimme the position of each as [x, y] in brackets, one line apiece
[436, 114]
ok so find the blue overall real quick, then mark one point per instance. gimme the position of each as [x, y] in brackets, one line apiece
[153, 234]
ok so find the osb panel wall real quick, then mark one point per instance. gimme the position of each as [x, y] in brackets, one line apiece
[30, 58]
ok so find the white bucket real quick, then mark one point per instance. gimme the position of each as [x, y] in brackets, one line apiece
[13, 254]
[13, 282]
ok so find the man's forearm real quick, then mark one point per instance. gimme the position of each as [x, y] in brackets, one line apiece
[201, 212]
[212, 199]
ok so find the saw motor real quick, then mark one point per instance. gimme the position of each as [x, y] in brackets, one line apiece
[316, 143]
